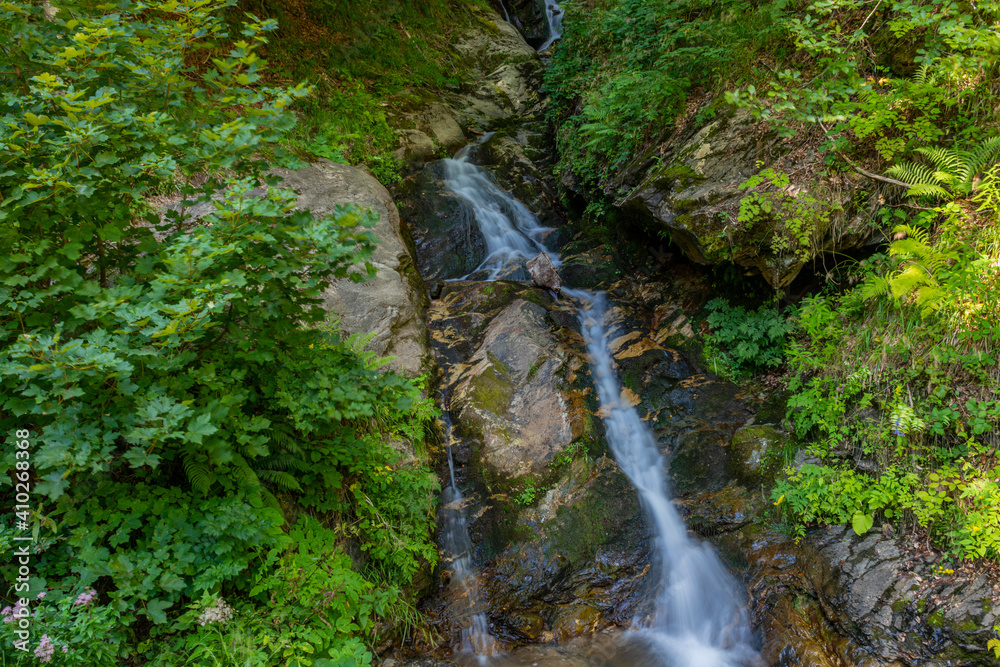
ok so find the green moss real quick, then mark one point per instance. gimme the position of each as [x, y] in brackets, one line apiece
[493, 390]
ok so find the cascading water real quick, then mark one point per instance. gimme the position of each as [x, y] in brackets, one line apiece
[467, 606]
[699, 620]
[512, 234]
[553, 13]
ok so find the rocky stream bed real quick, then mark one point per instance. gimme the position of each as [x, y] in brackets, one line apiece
[565, 553]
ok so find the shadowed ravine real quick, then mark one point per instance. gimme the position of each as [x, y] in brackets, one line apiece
[699, 618]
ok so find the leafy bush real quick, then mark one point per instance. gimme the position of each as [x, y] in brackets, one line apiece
[742, 341]
[898, 374]
[185, 398]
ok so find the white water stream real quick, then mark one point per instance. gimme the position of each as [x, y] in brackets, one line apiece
[699, 618]
[553, 12]
[512, 233]
[467, 603]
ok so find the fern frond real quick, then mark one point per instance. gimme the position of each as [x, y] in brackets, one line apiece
[929, 297]
[912, 173]
[945, 160]
[922, 75]
[985, 156]
[927, 190]
[280, 478]
[911, 278]
[199, 473]
[243, 474]
[918, 234]
[874, 287]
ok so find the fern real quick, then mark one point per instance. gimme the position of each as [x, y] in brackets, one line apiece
[199, 473]
[953, 172]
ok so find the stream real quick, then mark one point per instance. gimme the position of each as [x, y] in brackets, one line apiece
[699, 617]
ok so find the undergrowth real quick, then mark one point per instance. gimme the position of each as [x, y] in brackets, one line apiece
[364, 58]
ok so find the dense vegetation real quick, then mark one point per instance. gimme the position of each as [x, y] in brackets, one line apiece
[892, 373]
[624, 69]
[364, 58]
[210, 461]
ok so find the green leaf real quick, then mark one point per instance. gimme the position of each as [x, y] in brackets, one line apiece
[156, 610]
[862, 523]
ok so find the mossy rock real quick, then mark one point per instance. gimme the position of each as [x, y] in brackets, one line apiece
[757, 454]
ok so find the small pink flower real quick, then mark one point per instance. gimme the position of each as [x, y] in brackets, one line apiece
[85, 597]
[42, 595]
[45, 649]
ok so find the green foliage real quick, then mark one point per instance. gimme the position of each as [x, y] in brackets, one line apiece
[797, 220]
[953, 172]
[742, 341]
[185, 397]
[527, 496]
[901, 74]
[623, 69]
[365, 58]
[898, 375]
[82, 634]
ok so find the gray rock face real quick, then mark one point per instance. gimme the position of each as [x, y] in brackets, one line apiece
[875, 600]
[908, 607]
[543, 273]
[511, 396]
[392, 304]
[500, 80]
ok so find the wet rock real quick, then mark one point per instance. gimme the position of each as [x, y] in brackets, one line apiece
[529, 16]
[420, 662]
[578, 559]
[757, 453]
[574, 621]
[865, 601]
[443, 227]
[717, 512]
[544, 274]
[511, 399]
[521, 158]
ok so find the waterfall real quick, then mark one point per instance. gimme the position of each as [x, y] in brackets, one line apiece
[699, 618]
[553, 12]
[467, 603]
[512, 234]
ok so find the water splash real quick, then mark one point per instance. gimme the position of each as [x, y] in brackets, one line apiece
[512, 233]
[467, 607]
[553, 12]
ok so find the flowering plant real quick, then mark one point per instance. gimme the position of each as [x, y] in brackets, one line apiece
[66, 629]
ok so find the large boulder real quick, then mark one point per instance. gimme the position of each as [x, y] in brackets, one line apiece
[837, 598]
[691, 185]
[391, 305]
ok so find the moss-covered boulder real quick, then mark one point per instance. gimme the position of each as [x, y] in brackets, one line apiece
[694, 185]
[511, 400]
[757, 453]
